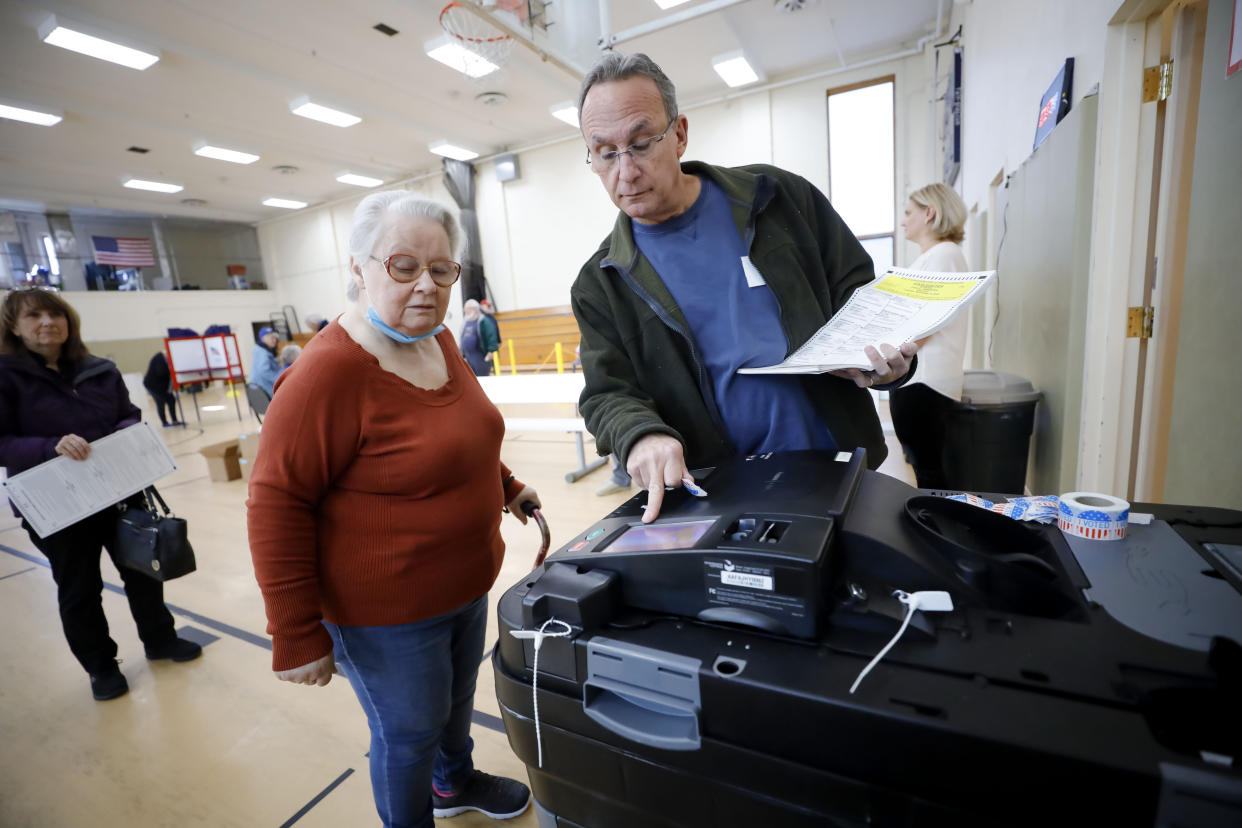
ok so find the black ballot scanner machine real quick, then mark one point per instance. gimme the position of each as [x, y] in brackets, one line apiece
[702, 671]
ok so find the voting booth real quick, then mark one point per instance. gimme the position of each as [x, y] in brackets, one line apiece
[194, 360]
[709, 669]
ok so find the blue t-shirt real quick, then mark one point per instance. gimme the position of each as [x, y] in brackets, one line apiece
[698, 255]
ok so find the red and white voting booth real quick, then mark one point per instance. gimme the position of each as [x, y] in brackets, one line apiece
[201, 359]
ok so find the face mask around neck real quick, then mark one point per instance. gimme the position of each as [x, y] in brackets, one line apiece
[394, 334]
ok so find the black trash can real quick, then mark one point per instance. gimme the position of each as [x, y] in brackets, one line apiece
[988, 434]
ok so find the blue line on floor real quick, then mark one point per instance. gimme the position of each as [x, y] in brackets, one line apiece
[218, 626]
[20, 572]
[317, 799]
[480, 718]
[488, 720]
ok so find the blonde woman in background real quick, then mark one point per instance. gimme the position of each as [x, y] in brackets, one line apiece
[934, 217]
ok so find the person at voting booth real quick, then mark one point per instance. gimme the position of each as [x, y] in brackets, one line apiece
[709, 269]
[934, 218]
[374, 516]
[55, 398]
[264, 366]
[158, 382]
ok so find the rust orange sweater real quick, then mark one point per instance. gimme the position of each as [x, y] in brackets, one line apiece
[372, 502]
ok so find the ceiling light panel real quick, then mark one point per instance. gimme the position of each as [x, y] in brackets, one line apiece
[318, 112]
[223, 154]
[29, 116]
[455, 56]
[668, 4]
[359, 180]
[452, 151]
[286, 203]
[71, 37]
[734, 69]
[152, 186]
[566, 112]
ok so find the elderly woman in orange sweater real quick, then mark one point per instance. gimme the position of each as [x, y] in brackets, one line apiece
[374, 516]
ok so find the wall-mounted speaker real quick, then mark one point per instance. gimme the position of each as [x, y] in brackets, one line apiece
[507, 168]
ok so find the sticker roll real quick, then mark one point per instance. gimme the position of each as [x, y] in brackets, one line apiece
[1093, 515]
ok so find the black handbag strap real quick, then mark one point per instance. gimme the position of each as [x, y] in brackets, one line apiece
[151, 493]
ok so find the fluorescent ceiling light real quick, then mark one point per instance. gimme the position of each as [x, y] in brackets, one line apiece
[52, 259]
[287, 203]
[734, 69]
[455, 56]
[153, 186]
[30, 116]
[452, 151]
[668, 4]
[53, 33]
[317, 112]
[222, 154]
[566, 112]
[359, 180]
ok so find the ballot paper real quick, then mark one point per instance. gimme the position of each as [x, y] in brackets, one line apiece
[62, 491]
[899, 306]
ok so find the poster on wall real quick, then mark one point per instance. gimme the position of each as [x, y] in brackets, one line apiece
[1055, 104]
[1235, 40]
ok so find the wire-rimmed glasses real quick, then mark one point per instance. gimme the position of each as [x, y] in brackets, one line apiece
[637, 151]
[404, 268]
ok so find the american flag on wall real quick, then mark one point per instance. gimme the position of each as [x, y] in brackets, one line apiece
[123, 252]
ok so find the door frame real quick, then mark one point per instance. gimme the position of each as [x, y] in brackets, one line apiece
[1127, 398]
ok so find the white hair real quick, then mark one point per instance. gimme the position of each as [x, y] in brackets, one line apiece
[371, 218]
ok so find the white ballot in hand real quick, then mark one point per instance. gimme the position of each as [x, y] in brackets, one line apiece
[62, 491]
[899, 306]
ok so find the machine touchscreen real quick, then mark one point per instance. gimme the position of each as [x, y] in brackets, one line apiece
[660, 536]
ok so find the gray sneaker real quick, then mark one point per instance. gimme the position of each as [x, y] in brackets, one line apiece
[612, 487]
[494, 796]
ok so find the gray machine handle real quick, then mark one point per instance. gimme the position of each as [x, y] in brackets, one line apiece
[645, 695]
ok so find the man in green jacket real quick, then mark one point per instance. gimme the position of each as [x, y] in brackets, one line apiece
[707, 270]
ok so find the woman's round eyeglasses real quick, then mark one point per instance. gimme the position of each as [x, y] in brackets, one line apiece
[405, 269]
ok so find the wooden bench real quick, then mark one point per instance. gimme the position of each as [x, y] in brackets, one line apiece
[544, 389]
[534, 333]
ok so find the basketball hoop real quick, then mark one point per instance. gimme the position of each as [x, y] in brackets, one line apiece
[487, 47]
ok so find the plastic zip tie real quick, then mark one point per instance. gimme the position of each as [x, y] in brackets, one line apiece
[926, 601]
[539, 635]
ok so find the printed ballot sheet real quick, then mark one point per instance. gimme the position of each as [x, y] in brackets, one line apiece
[899, 306]
[62, 491]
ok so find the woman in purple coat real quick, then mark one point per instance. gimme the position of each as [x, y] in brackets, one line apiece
[55, 398]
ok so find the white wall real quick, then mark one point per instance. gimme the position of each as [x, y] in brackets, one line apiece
[113, 315]
[538, 230]
[1012, 51]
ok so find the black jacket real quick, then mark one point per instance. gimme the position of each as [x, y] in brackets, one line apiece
[643, 372]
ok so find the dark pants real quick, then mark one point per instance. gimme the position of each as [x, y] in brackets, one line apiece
[165, 401]
[74, 555]
[919, 414]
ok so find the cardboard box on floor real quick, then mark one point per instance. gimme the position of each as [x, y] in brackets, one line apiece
[248, 448]
[222, 463]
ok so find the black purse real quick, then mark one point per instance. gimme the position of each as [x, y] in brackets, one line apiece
[148, 542]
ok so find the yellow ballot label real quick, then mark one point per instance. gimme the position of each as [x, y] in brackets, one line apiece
[925, 290]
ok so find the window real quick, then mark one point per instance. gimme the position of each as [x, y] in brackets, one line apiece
[862, 164]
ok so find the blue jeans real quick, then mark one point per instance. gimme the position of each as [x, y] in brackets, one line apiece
[416, 684]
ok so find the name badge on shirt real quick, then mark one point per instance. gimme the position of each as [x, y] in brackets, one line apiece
[753, 277]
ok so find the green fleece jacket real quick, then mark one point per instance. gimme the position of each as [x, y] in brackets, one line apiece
[643, 370]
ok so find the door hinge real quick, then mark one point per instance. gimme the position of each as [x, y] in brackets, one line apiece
[1157, 82]
[1139, 322]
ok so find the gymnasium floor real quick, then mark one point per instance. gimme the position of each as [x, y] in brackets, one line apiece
[218, 741]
